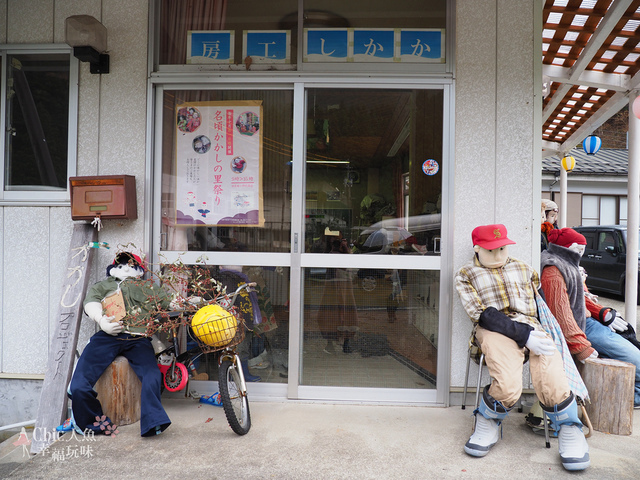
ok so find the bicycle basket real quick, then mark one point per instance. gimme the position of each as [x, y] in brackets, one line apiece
[215, 328]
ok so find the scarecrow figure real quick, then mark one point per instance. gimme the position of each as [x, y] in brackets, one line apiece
[498, 293]
[139, 298]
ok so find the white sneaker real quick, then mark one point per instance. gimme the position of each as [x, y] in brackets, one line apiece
[485, 436]
[573, 448]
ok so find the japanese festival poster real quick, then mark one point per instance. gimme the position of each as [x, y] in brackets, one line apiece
[219, 164]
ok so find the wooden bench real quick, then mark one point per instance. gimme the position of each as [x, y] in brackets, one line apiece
[119, 391]
[611, 390]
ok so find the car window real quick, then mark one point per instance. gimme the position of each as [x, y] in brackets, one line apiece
[591, 239]
[606, 239]
[619, 242]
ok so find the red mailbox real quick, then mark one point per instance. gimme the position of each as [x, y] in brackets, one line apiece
[105, 196]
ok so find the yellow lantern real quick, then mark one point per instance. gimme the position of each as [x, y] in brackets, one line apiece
[214, 326]
[568, 163]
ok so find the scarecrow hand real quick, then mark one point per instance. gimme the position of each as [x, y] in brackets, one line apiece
[540, 344]
[109, 326]
[94, 311]
[593, 356]
[618, 324]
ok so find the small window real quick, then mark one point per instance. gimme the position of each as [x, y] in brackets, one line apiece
[590, 237]
[619, 242]
[606, 239]
[259, 35]
[39, 115]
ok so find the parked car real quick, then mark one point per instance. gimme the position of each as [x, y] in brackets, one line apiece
[605, 257]
[424, 230]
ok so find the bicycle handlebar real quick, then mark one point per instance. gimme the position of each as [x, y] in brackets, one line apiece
[176, 313]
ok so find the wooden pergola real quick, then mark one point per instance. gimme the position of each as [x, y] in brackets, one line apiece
[591, 65]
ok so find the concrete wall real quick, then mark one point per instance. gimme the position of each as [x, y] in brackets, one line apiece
[495, 161]
[110, 140]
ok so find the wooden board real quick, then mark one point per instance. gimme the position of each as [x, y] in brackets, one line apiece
[611, 389]
[52, 410]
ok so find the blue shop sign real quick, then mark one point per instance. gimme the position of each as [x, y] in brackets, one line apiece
[267, 46]
[373, 44]
[422, 45]
[205, 47]
[322, 45]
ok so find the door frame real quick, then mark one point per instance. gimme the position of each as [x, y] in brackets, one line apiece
[296, 260]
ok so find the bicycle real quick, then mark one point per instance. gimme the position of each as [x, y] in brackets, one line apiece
[212, 333]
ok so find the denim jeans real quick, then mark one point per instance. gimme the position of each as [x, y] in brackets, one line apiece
[95, 358]
[611, 345]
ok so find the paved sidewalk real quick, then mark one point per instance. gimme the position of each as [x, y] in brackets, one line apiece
[317, 441]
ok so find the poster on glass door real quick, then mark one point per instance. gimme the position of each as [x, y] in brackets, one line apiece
[219, 163]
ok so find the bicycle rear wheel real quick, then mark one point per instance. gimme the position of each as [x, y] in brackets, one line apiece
[234, 401]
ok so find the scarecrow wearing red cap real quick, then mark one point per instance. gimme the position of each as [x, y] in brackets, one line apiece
[498, 293]
[136, 298]
[590, 330]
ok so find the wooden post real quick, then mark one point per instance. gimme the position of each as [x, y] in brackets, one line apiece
[611, 390]
[53, 399]
[119, 391]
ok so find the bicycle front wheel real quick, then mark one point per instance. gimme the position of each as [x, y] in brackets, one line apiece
[175, 379]
[234, 401]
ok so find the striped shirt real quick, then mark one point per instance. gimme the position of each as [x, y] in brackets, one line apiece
[510, 289]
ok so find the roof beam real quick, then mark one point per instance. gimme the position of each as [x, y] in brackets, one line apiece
[616, 103]
[617, 9]
[608, 23]
[604, 113]
[550, 149]
[589, 78]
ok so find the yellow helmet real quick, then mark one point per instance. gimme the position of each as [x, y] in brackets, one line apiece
[214, 326]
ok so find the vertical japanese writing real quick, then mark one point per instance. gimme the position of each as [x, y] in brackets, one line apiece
[211, 49]
[218, 167]
[217, 181]
[372, 47]
[230, 132]
[64, 334]
[63, 338]
[192, 174]
[77, 272]
[322, 42]
[419, 48]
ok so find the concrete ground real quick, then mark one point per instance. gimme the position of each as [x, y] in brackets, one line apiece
[295, 440]
[314, 441]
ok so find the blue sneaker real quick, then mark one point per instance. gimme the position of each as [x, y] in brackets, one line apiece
[67, 426]
[214, 399]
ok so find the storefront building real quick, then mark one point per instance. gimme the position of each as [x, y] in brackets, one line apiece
[265, 137]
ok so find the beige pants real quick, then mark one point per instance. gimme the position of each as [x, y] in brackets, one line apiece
[505, 361]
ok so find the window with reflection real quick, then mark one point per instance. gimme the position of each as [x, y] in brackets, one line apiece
[254, 209]
[374, 171]
[177, 18]
[375, 328]
[37, 122]
[264, 349]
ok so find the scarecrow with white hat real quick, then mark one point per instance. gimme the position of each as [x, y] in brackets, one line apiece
[138, 298]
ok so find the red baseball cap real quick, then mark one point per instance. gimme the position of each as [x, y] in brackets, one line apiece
[491, 236]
